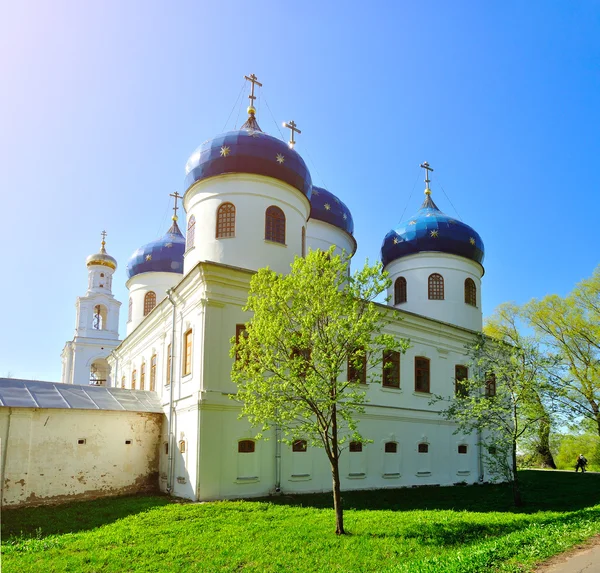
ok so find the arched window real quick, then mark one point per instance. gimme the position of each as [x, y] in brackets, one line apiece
[303, 241]
[470, 292]
[299, 446]
[391, 448]
[133, 379]
[490, 384]
[275, 225]
[123, 382]
[355, 447]
[246, 446]
[357, 366]
[153, 373]
[143, 376]
[149, 302]
[130, 310]
[400, 290]
[191, 232]
[225, 220]
[421, 374]
[99, 317]
[436, 287]
[187, 352]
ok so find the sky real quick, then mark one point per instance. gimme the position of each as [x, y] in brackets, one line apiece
[103, 102]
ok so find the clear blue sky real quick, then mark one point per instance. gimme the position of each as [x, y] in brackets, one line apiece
[102, 103]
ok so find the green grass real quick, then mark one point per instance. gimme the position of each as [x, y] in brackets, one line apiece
[458, 529]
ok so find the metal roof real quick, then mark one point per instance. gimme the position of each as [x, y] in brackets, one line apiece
[33, 394]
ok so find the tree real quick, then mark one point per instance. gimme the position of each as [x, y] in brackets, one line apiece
[290, 365]
[570, 326]
[502, 400]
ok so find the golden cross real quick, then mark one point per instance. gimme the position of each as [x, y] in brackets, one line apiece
[103, 234]
[425, 166]
[254, 80]
[292, 127]
[176, 196]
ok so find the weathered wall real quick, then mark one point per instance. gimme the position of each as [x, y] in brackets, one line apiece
[44, 461]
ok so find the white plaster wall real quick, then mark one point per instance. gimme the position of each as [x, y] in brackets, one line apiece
[453, 309]
[43, 462]
[320, 235]
[143, 283]
[251, 195]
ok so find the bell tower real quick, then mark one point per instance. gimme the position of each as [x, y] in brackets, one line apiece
[97, 325]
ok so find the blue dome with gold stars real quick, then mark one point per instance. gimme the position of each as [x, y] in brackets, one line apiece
[248, 150]
[165, 255]
[431, 230]
[326, 207]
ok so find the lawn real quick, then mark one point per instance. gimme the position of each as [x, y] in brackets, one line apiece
[458, 529]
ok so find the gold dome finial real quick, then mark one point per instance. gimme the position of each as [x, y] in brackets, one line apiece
[103, 243]
[425, 166]
[176, 196]
[102, 258]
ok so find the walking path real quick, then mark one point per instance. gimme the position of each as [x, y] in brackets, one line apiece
[583, 559]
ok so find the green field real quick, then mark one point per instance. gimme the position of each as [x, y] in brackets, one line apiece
[462, 528]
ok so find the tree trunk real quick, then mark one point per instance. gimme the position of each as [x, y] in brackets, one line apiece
[543, 453]
[337, 497]
[515, 482]
[335, 472]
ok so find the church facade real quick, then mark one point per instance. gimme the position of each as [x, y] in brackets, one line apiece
[249, 202]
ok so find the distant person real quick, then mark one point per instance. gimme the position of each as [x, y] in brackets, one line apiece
[581, 463]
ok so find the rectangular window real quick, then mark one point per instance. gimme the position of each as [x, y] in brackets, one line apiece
[246, 447]
[355, 447]
[421, 374]
[143, 376]
[133, 379]
[153, 373]
[168, 378]
[391, 369]
[490, 384]
[357, 367]
[462, 449]
[461, 373]
[423, 448]
[391, 448]
[187, 357]
[240, 330]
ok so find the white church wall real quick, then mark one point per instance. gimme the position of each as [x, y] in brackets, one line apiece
[52, 455]
[416, 269]
[140, 285]
[320, 235]
[251, 195]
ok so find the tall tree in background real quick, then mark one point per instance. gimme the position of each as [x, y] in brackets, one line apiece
[570, 326]
[291, 364]
[502, 400]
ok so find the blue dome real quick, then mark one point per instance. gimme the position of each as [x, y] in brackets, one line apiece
[431, 230]
[165, 255]
[326, 207]
[248, 151]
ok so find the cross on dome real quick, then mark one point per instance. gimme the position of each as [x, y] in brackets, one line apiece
[176, 195]
[292, 127]
[425, 166]
[254, 81]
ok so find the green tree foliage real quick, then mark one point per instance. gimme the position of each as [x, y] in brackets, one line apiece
[501, 399]
[291, 367]
[570, 326]
[569, 446]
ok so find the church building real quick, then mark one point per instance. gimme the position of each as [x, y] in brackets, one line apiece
[249, 202]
